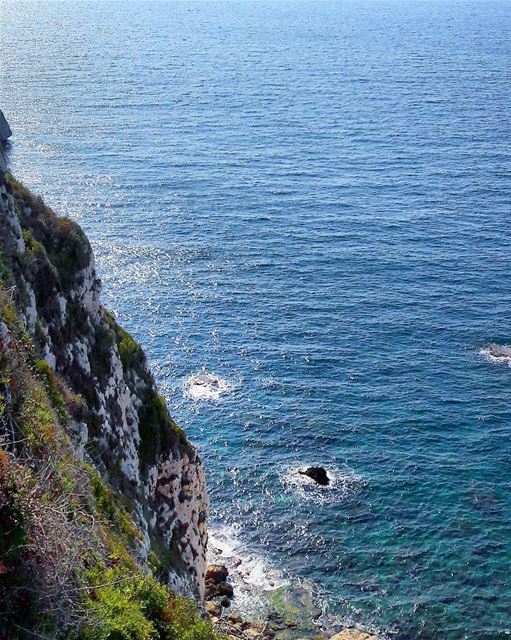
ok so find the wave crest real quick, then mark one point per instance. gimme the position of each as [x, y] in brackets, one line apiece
[499, 353]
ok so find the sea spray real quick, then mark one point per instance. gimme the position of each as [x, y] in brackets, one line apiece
[206, 387]
[344, 483]
[497, 353]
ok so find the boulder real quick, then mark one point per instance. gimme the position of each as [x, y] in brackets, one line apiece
[213, 609]
[353, 634]
[235, 618]
[225, 589]
[216, 573]
[318, 474]
[5, 129]
[501, 352]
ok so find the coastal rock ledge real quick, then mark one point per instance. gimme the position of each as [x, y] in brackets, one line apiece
[5, 129]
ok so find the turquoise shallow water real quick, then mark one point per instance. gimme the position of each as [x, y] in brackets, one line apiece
[311, 201]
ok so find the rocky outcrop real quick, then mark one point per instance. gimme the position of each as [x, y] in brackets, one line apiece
[5, 132]
[5, 129]
[318, 474]
[121, 424]
[219, 592]
[234, 627]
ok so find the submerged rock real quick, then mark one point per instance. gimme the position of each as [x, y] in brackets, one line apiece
[206, 386]
[318, 474]
[353, 634]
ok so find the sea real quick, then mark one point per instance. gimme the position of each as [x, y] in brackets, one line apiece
[302, 210]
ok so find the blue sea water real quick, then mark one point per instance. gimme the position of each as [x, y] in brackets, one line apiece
[312, 201]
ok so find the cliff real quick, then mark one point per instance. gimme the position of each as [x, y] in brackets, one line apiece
[5, 133]
[82, 426]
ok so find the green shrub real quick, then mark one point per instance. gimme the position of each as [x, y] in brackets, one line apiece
[130, 351]
[71, 251]
[134, 606]
[56, 397]
[60, 240]
[6, 274]
[116, 510]
[33, 248]
[186, 624]
[156, 427]
[115, 612]
[101, 350]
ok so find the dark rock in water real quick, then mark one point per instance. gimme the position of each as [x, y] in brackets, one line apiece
[318, 474]
[217, 573]
[499, 351]
[216, 585]
[225, 602]
[225, 589]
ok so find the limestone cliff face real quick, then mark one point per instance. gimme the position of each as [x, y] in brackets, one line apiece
[122, 426]
[5, 133]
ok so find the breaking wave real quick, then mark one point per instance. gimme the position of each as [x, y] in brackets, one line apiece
[497, 353]
[206, 386]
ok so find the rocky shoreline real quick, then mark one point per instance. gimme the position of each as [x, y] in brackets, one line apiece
[281, 621]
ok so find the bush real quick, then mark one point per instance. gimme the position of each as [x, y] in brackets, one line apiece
[135, 606]
[130, 351]
[111, 506]
[71, 251]
[157, 429]
[50, 378]
[63, 242]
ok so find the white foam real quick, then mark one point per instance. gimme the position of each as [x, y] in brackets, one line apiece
[498, 353]
[206, 386]
[344, 482]
[255, 580]
[245, 567]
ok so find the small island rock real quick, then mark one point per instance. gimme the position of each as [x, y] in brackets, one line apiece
[318, 474]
